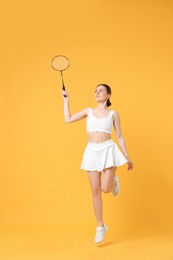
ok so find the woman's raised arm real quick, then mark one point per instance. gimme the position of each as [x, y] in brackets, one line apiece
[75, 117]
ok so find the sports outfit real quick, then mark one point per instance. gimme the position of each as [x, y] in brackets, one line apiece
[99, 156]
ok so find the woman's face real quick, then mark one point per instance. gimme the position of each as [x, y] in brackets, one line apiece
[101, 94]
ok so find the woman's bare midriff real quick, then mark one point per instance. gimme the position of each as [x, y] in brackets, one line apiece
[98, 137]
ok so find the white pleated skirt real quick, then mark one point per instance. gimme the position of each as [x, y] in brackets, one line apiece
[99, 156]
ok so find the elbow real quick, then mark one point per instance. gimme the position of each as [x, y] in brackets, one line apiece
[67, 120]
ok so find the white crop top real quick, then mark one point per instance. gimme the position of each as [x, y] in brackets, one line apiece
[99, 124]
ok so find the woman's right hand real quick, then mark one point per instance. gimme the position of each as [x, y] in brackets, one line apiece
[66, 97]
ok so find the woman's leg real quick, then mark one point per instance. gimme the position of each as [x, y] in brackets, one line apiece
[107, 182]
[95, 183]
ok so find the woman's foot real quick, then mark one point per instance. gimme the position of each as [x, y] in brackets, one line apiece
[116, 189]
[100, 233]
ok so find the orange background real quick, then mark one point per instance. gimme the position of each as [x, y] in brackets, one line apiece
[125, 44]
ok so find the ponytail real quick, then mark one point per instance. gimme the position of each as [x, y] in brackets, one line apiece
[109, 102]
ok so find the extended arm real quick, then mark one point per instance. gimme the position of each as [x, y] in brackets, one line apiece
[75, 117]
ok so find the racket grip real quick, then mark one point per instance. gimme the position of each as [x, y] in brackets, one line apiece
[63, 88]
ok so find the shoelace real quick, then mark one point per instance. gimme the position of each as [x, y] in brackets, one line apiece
[100, 232]
[116, 185]
[116, 188]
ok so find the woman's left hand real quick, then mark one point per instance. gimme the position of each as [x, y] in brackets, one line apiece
[130, 163]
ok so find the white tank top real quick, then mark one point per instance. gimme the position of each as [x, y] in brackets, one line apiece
[99, 124]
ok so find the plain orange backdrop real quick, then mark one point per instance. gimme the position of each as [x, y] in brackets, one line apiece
[125, 44]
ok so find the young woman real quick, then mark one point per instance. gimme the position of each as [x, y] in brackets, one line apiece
[102, 155]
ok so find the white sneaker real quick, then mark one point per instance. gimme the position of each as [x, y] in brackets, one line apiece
[116, 190]
[100, 233]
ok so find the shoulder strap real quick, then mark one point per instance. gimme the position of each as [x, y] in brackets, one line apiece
[111, 113]
[89, 111]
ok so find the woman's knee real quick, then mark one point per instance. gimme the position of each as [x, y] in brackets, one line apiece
[96, 192]
[105, 189]
[107, 179]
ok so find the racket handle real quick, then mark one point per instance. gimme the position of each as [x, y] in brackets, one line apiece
[63, 88]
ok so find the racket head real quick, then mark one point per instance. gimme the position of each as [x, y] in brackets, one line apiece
[60, 63]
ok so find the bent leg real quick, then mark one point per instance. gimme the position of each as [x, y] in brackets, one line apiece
[107, 182]
[95, 183]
